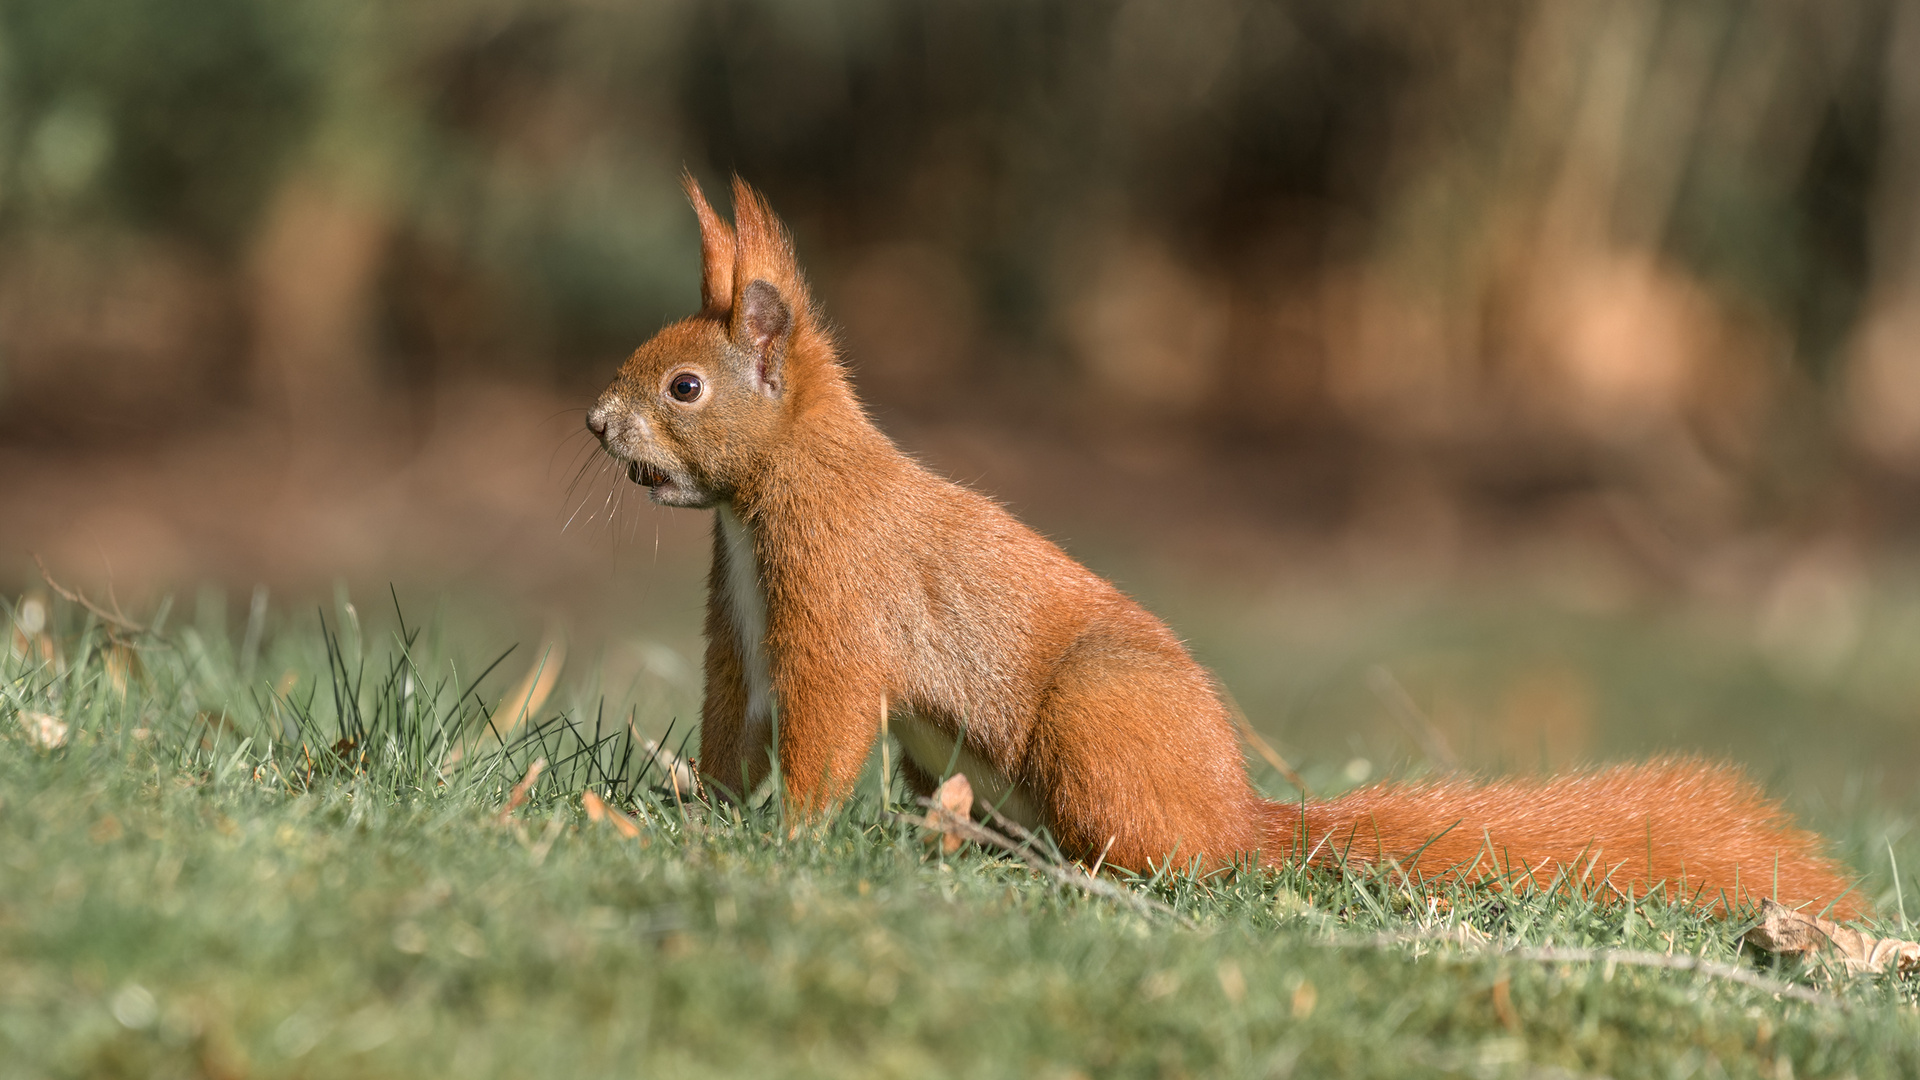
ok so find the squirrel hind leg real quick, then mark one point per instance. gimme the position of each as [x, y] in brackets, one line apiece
[1134, 759]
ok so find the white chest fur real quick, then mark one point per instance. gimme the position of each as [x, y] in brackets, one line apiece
[747, 605]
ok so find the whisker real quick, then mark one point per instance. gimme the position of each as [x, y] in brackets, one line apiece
[633, 526]
[586, 499]
[570, 517]
[603, 510]
[584, 448]
[578, 474]
[613, 494]
[613, 517]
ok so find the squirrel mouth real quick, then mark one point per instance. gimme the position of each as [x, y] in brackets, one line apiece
[665, 488]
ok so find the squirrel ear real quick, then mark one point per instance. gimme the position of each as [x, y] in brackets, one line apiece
[763, 326]
[770, 304]
[716, 251]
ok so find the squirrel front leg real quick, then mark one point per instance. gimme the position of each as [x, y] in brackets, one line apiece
[828, 722]
[733, 753]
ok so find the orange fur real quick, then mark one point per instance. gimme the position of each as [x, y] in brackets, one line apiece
[1692, 829]
[847, 580]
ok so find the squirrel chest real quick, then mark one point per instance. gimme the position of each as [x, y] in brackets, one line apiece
[935, 751]
[746, 602]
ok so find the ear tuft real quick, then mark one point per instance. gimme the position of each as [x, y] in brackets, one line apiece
[763, 324]
[762, 248]
[717, 251]
[772, 309]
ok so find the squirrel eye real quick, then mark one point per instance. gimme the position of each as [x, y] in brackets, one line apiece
[685, 386]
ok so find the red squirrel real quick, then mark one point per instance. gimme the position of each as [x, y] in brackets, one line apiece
[849, 584]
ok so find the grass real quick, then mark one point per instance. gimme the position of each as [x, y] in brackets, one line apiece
[251, 858]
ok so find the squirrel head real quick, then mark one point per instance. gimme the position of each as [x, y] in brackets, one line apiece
[696, 410]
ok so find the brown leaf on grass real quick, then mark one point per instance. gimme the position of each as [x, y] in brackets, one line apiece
[598, 810]
[33, 647]
[955, 795]
[1305, 997]
[1784, 930]
[531, 691]
[951, 810]
[45, 731]
[1503, 1003]
[121, 665]
[522, 789]
[1233, 984]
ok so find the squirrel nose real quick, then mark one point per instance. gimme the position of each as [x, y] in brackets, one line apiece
[597, 424]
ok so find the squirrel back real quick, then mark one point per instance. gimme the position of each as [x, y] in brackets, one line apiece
[854, 592]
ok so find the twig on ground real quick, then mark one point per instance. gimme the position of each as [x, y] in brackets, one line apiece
[116, 619]
[1711, 968]
[1610, 957]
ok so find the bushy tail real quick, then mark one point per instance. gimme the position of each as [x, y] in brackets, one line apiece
[1700, 832]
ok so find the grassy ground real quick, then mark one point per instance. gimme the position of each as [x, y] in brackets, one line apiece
[250, 858]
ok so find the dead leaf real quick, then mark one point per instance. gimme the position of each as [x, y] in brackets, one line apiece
[952, 806]
[1786, 931]
[121, 664]
[1305, 997]
[1232, 983]
[30, 647]
[525, 787]
[598, 810]
[43, 730]
[955, 795]
[532, 691]
[1503, 1004]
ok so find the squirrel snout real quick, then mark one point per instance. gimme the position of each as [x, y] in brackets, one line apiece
[596, 423]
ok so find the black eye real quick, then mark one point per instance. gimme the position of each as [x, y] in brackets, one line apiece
[685, 386]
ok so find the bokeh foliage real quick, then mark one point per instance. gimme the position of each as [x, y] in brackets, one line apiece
[1544, 256]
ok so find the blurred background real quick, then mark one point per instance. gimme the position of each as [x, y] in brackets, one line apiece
[1544, 374]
